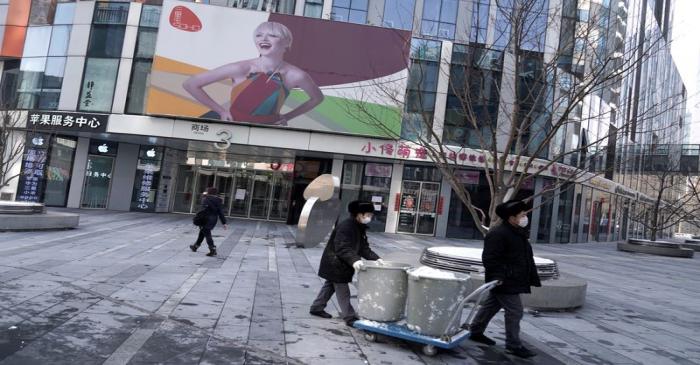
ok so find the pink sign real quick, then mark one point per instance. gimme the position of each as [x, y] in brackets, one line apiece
[467, 177]
[378, 170]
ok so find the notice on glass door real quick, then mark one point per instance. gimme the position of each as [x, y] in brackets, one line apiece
[240, 194]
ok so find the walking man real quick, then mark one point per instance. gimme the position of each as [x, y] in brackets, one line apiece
[507, 257]
[213, 206]
[342, 256]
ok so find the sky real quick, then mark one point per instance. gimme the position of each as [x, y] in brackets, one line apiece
[685, 48]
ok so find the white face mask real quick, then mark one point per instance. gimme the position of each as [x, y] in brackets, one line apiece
[523, 222]
[365, 219]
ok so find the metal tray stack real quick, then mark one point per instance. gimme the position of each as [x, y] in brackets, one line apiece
[468, 260]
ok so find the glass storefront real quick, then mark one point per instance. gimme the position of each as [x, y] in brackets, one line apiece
[371, 182]
[566, 202]
[59, 171]
[147, 178]
[460, 223]
[46, 169]
[248, 190]
[420, 193]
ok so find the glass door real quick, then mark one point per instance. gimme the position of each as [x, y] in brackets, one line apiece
[223, 183]
[410, 193]
[183, 189]
[260, 196]
[204, 179]
[98, 178]
[241, 193]
[281, 191]
[427, 216]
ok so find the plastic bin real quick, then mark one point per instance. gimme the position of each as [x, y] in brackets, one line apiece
[434, 296]
[381, 290]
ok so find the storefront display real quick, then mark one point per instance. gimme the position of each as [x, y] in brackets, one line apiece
[148, 171]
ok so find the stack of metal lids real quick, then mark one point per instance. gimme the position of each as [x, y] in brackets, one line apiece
[468, 260]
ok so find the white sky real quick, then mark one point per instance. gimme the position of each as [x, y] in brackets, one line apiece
[685, 48]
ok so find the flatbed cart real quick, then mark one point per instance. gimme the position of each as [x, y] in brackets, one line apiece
[430, 344]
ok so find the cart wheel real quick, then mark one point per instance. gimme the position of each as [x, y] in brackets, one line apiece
[371, 337]
[430, 350]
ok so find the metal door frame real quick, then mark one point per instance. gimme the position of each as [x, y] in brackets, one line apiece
[418, 202]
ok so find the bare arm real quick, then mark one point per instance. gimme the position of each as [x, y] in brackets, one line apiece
[196, 83]
[307, 84]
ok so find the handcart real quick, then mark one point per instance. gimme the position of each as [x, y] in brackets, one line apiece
[430, 344]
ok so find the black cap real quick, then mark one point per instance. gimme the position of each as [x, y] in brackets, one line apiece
[360, 206]
[510, 208]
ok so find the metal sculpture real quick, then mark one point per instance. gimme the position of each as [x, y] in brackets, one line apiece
[320, 211]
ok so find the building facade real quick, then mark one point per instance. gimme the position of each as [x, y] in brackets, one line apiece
[111, 123]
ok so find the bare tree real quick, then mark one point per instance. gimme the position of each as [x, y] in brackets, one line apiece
[517, 100]
[12, 144]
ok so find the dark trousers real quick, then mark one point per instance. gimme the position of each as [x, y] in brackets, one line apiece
[342, 293]
[514, 313]
[205, 233]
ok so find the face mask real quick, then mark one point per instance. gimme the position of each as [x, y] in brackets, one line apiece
[523, 222]
[365, 220]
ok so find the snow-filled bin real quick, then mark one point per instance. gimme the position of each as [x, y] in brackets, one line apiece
[381, 290]
[434, 297]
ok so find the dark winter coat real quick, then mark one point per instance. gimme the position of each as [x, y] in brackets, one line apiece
[508, 257]
[215, 210]
[348, 243]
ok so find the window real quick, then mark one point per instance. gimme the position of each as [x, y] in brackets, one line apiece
[8, 87]
[371, 182]
[398, 14]
[103, 55]
[475, 76]
[145, 190]
[439, 18]
[480, 21]
[353, 11]
[273, 6]
[30, 78]
[58, 171]
[143, 59]
[60, 36]
[64, 13]
[37, 42]
[52, 82]
[421, 89]
[98, 84]
[41, 12]
[313, 8]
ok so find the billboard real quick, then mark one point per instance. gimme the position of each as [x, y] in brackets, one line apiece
[243, 66]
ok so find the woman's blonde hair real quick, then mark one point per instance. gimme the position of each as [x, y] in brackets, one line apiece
[276, 28]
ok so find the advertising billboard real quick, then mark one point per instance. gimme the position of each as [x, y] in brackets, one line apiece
[244, 66]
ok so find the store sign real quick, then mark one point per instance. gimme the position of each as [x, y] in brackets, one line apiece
[62, 121]
[619, 190]
[378, 170]
[467, 177]
[32, 178]
[145, 188]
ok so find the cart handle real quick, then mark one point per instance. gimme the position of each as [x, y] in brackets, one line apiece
[477, 296]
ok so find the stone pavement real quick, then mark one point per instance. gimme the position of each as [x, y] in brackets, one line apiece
[124, 288]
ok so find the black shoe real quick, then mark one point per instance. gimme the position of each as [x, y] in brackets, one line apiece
[211, 253]
[350, 322]
[481, 338]
[521, 351]
[322, 314]
[194, 248]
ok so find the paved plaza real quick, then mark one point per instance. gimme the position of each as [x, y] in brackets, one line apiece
[124, 288]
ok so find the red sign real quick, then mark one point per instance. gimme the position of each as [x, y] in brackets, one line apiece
[184, 19]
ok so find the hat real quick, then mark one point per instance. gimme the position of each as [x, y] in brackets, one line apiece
[510, 208]
[360, 206]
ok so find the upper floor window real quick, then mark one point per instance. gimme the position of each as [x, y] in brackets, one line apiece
[398, 14]
[273, 6]
[439, 18]
[353, 11]
[110, 13]
[313, 8]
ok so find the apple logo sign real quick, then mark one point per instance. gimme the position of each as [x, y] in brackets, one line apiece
[103, 148]
[38, 141]
[151, 153]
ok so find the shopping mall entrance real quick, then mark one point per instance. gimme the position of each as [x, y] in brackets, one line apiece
[260, 192]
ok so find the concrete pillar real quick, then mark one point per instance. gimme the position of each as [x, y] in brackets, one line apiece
[327, 7]
[443, 86]
[77, 179]
[464, 21]
[535, 222]
[123, 177]
[392, 216]
[555, 217]
[442, 219]
[337, 168]
[417, 17]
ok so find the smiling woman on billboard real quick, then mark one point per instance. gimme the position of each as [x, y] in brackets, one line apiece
[260, 85]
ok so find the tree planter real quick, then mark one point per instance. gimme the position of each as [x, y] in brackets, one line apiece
[661, 248]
